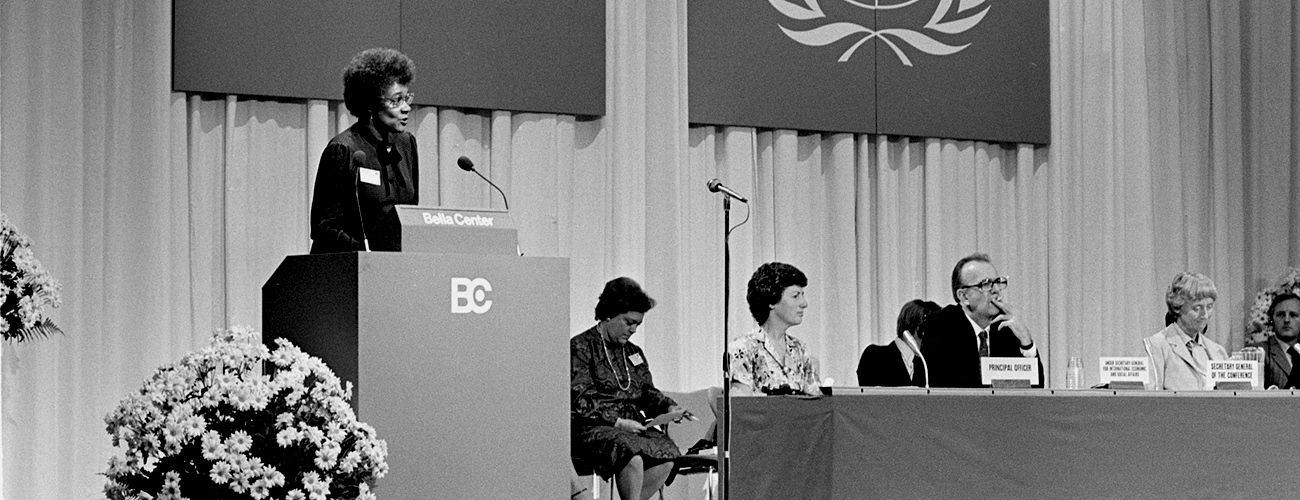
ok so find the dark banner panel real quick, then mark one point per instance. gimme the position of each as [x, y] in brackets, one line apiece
[964, 69]
[997, 88]
[284, 48]
[488, 54]
[745, 71]
[503, 54]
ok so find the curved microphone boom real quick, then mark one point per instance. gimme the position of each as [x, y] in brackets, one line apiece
[359, 159]
[911, 342]
[465, 164]
[716, 186]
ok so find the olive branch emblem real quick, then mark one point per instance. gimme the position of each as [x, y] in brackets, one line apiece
[832, 32]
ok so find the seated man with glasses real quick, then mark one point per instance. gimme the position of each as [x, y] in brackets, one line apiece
[981, 324]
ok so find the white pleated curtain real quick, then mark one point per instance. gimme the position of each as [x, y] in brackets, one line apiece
[1174, 147]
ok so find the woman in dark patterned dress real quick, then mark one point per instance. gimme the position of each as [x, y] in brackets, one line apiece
[611, 394]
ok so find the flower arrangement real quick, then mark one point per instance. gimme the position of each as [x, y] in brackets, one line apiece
[1257, 322]
[213, 427]
[26, 288]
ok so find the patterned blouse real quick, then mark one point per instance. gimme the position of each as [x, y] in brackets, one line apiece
[610, 381]
[754, 364]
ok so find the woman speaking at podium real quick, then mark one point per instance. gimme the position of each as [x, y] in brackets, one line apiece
[612, 394]
[372, 166]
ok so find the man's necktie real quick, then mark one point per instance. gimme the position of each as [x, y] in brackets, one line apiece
[1293, 376]
[984, 343]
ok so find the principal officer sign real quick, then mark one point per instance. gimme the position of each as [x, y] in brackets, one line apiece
[961, 69]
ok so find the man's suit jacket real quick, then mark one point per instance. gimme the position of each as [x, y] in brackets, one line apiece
[1172, 365]
[1276, 362]
[950, 347]
[882, 366]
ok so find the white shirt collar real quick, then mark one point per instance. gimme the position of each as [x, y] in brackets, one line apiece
[974, 326]
[907, 354]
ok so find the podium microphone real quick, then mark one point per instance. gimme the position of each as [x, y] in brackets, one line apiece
[359, 159]
[465, 164]
[717, 187]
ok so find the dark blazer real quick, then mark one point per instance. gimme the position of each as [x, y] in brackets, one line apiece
[882, 366]
[341, 202]
[1276, 362]
[950, 348]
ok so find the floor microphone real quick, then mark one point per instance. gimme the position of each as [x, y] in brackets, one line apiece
[467, 165]
[717, 187]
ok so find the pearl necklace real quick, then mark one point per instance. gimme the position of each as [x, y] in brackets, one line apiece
[610, 359]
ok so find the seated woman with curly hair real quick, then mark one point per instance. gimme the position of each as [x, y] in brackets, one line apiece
[373, 165]
[612, 394]
[767, 360]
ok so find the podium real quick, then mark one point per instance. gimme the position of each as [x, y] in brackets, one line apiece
[459, 361]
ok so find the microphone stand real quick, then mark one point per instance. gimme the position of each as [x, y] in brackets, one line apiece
[724, 437]
[356, 192]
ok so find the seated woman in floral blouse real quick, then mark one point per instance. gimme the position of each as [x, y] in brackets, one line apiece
[767, 360]
[612, 394]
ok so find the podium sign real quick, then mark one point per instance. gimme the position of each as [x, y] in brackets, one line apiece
[1008, 372]
[452, 230]
[460, 362]
[1235, 374]
[1124, 372]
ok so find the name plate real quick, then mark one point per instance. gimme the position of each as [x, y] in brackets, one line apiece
[411, 215]
[1125, 372]
[998, 370]
[463, 231]
[1235, 374]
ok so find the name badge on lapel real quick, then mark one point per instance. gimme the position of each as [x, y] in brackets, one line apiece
[636, 359]
[369, 176]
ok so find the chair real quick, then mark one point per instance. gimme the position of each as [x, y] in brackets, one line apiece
[582, 470]
[684, 434]
[687, 433]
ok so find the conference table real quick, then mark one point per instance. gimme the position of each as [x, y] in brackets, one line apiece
[859, 443]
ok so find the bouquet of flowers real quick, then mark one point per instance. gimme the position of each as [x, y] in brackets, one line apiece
[214, 427]
[26, 289]
[1257, 322]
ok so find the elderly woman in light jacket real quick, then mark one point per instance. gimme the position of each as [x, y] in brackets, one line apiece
[1180, 354]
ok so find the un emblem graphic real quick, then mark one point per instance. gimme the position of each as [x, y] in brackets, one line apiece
[832, 31]
[469, 295]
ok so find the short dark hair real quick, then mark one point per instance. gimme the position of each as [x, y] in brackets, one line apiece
[956, 270]
[622, 294]
[1278, 299]
[767, 284]
[913, 315]
[369, 75]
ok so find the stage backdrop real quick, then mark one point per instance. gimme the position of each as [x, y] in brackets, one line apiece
[958, 70]
[1173, 147]
[488, 54]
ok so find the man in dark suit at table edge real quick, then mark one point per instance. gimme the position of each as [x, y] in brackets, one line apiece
[979, 324]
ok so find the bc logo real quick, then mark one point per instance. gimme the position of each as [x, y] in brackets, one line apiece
[467, 295]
